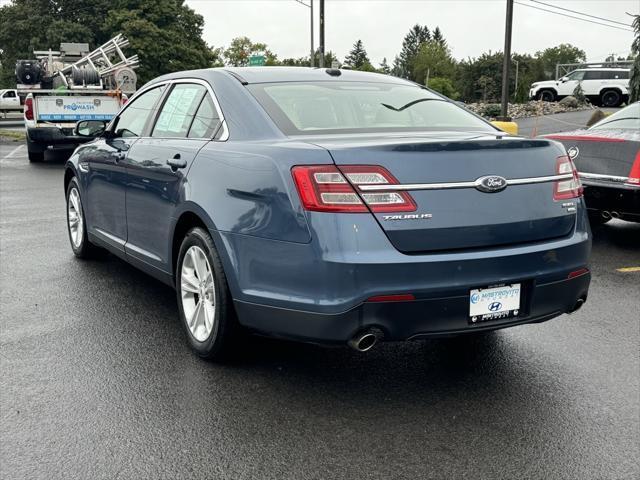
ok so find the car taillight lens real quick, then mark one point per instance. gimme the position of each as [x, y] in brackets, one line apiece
[123, 100]
[327, 188]
[28, 109]
[634, 174]
[566, 189]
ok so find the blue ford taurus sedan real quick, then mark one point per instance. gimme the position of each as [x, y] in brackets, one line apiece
[329, 206]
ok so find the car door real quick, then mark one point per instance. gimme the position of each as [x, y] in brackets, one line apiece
[593, 81]
[570, 82]
[105, 179]
[10, 100]
[157, 166]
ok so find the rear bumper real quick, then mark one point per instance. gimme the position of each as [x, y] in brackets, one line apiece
[621, 199]
[53, 136]
[424, 317]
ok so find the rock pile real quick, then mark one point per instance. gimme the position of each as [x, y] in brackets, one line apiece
[528, 109]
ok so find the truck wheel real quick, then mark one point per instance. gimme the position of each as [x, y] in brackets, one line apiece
[547, 95]
[35, 152]
[611, 98]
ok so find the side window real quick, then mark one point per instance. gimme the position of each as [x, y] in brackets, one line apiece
[206, 121]
[577, 75]
[10, 94]
[595, 75]
[622, 75]
[178, 110]
[133, 119]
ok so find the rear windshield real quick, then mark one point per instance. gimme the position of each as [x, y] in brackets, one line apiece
[627, 118]
[303, 108]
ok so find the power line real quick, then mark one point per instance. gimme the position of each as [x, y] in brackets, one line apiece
[580, 13]
[576, 18]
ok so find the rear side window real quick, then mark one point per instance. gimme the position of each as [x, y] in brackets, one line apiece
[621, 75]
[301, 108]
[596, 75]
[206, 120]
[179, 110]
[133, 119]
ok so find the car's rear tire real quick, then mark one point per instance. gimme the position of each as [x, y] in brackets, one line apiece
[204, 301]
[610, 98]
[76, 224]
[35, 152]
[596, 218]
[547, 95]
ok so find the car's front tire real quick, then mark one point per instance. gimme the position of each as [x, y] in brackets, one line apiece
[76, 224]
[204, 300]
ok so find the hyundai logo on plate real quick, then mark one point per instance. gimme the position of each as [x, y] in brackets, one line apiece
[495, 307]
[474, 298]
[491, 183]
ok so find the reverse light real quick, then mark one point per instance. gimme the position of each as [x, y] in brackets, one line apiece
[327, 188]
[567, 189]
[28, 109]
[634, 174]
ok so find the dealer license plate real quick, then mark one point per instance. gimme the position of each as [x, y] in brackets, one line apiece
[494, 303]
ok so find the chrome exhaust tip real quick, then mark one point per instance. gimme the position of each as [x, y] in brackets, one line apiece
[365, 341]
[606, 215]
[577, 306]
[615, 214]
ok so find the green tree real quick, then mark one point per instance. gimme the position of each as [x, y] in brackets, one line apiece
[634, 81]
[439, 38]
[434, 59]
[384, 67]
[444, 86]
[241, 48]
[403, 63]
[563, 53]
[357, 58]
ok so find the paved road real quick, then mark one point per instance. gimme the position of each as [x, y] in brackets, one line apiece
[97, 381]
[560, 122]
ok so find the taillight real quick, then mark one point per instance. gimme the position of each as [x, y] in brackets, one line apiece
[566, 189]
[123, 100]
[634, 174]
[28, 109]
[324, 188]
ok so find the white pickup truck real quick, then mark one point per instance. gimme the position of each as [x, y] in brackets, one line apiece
[50, 116]
[9, 101]
[608, 87]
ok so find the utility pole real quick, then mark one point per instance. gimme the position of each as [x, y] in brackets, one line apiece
[321, 33]
[507, 62]
[313, 53]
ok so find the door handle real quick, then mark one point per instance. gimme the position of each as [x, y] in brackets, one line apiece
[176, 162]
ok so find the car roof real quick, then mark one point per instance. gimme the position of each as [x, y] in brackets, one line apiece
[249, 75]
[589, 69]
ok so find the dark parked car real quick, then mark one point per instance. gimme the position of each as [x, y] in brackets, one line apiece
[607, 156]
[329, 206]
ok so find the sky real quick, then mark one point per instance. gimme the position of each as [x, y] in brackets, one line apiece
[471, 27]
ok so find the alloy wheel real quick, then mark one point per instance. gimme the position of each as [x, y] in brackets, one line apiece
[74, 218]
[197, 289]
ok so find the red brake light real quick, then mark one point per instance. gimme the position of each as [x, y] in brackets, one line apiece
[403, 297]
[324, 188]
[634, 174]
[567, 189]
[123, 100]
[28, 109]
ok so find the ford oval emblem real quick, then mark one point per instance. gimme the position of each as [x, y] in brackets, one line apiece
[491, 183]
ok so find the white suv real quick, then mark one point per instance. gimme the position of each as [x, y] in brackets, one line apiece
[606, 86]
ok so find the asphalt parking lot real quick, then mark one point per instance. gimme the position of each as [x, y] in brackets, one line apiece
[97, 380]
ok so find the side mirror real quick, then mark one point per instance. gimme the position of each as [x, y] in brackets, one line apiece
[563, 79]
[90, 128]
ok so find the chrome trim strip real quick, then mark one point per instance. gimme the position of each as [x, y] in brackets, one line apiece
[606, 178]
[450, 185]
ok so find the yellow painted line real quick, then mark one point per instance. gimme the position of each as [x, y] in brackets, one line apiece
[628, 269]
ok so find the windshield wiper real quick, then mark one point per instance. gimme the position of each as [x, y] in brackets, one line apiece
[411, 104]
